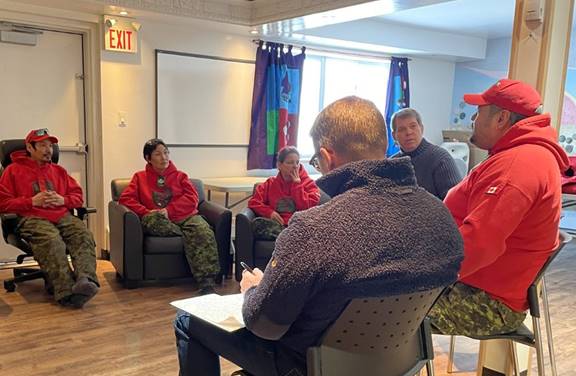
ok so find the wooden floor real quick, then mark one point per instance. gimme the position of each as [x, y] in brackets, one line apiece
[129, 332]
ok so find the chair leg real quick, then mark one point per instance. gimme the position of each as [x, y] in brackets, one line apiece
[23, 275]
[430, 367]
[514, 356]
[451, 354]
[538, 345]
[548, 325]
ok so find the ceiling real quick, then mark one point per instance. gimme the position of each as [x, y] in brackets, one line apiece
[486, 18]
[456, 30]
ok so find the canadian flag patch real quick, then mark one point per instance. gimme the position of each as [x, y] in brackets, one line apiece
[492, 190]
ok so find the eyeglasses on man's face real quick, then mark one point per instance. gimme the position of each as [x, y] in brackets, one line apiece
[314, 162]
[41, 132]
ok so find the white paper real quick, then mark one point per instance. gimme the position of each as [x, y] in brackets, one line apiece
[224, 311]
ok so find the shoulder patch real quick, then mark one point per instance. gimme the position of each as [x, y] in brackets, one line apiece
[492, 190]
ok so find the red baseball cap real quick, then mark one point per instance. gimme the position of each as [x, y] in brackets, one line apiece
[511, 95]
[37, 135]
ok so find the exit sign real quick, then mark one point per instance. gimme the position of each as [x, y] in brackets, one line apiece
[120, 36]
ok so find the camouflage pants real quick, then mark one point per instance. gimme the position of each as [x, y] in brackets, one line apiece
[468, 311]
[266, 229]
[199, 243]
[49, 243]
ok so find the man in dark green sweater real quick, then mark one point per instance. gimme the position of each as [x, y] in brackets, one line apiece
[435, 168]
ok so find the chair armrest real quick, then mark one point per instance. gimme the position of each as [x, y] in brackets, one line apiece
[82, 212]
[8, 216]
[212, 212]
[248, 213]
[244, 240]
[220, 219]
[9, 225]
[126, 241]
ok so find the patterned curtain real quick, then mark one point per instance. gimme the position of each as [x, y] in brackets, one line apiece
[275, 103]
[397, 97]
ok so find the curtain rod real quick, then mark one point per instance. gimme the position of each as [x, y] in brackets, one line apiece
[331, 50]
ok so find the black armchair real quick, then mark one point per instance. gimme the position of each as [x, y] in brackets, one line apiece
[10, 221]
[254, 252]
[139, 258]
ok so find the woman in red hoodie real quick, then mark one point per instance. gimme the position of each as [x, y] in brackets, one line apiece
[167, 203]
[279, 197]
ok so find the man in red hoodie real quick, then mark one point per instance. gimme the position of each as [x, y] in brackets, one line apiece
[507, 210]
[41, 194]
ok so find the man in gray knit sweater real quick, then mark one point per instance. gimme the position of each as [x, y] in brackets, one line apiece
[435, 168]
[379, 235]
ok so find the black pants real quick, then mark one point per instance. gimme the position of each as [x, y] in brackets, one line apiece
[200, 343]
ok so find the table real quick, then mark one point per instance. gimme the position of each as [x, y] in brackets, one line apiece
[232, 184]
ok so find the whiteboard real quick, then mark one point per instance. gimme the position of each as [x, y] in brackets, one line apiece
[203, 100]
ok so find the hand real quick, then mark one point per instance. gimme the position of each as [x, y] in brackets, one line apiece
[162, 211]
[295, 176]
[39, 199]
[53, 199]
[277, 217]
[250, 279]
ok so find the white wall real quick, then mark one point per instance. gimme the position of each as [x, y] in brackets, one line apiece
[128, 85]
[431, 85]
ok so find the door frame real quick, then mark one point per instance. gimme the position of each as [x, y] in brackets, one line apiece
[89, 27]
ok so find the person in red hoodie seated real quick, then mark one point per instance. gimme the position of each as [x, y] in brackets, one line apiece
[167, 203]
[507, 210]
[279, 197]
[42, 194]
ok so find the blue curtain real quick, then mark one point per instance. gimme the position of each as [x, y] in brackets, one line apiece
[275, 103]
[397, 97]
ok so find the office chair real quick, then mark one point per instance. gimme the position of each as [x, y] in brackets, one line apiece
[10, 222]
[378, 336]
[140, 259]
[524, 335]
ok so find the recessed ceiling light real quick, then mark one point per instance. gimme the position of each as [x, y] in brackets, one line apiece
[123, 13]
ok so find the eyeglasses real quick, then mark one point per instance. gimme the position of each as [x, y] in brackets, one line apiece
[314, 162]
[41, 132]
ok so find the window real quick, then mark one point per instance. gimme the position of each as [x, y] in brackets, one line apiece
[328, 78]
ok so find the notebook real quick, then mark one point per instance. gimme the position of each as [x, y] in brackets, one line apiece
[224, 311]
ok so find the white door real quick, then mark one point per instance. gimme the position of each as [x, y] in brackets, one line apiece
[42, 86]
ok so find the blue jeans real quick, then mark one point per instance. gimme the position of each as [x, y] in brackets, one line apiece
[200, 343]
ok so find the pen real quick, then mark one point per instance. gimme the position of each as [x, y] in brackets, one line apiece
[246, 267]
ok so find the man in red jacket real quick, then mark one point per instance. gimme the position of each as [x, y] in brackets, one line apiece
[41, 194]
[507, 210]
